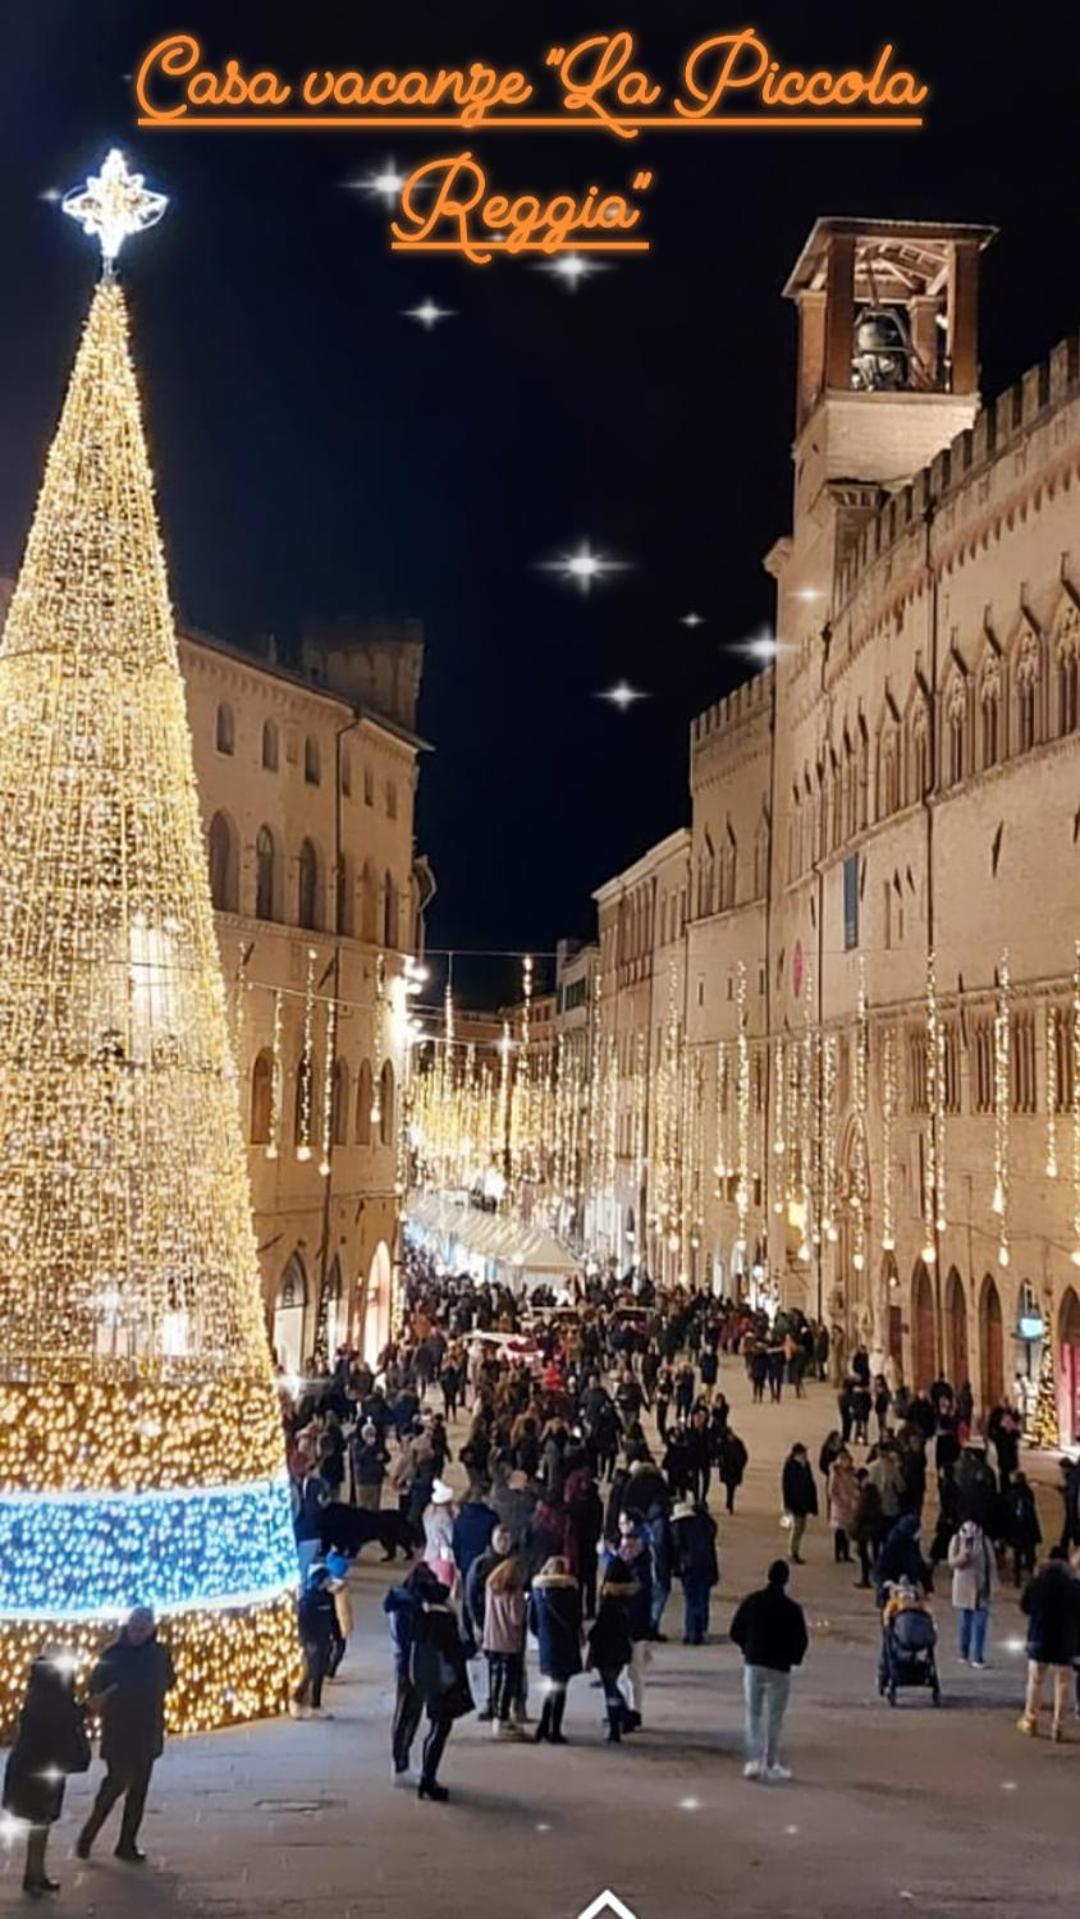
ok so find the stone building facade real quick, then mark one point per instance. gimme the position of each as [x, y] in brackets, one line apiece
[307, 785]
[882, 868]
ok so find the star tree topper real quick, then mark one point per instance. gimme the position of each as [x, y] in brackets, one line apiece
[114, 204]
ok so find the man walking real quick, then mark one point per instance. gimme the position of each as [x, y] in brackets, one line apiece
[129, 1683]
[770, 1631]
[799, 1495]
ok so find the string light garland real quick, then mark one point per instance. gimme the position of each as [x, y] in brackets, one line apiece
[889, 1105]
[1052, 1091]
[307, 1063]
[742, 1188]
[860, 1193]
[273, 1143]
[379, 1040]
[328, 1089]
[141, 1458]
[999, 1203]
[828, 1137]
[930, 1138]
[779, 1144]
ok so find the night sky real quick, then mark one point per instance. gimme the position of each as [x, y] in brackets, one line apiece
[319, 455]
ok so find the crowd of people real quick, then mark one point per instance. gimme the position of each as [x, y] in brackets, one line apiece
[592, 1442]
[588, 1440]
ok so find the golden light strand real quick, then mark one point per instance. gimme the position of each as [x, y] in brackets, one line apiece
[929, 1196]
[828, 1137]
[273, 1144]
[889, 1092]
[721, 1167]
[860, 1192]
[379, 1041]
[779, 1145]
[1000, 1198]
[807, 1125]
[742, 1189]
[328, 1089]
[307, 1063]
[1052, 1091]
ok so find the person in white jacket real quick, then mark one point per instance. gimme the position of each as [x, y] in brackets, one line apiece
[971, 1561]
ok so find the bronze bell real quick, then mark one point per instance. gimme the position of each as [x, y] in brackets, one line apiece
[881, 358]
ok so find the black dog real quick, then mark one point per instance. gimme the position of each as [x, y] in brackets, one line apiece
[348, 1530]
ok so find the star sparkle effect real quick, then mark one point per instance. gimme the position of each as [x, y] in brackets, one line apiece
[428, 314]
[584, 567]
[622, 696]
[572, 269]
[114, 204]
[385, 185]
[762, 647]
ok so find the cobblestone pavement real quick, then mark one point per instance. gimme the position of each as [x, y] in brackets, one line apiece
[905, 1812]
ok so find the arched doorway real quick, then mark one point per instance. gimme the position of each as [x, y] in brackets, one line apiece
[377, 1304]
[290, 1314]
[923, 1340]
[991, 1344]
[956, 1346]
[1069, 1387]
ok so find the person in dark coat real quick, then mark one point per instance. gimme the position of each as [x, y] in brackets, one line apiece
[976, 1490]
[473, 1527]
[51, 1742]
[611, 1647]
[901, 1558]
[770, 1632]
[799, 1494]
[868, 1526]
[634, 1555]
[731, 1461]
[1052, 1603]
[1023, 1532]
[318, 1627]
[554, 1619]
[584, 1529]
[694, 1530]
[475, 1595]
[431, 1672]
[129, 1683]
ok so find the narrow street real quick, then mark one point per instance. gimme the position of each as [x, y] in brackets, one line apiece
[905, 1811]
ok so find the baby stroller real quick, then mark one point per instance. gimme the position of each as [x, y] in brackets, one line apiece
[908, 1639]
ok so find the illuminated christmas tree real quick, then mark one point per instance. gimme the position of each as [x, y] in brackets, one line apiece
[1043, 1428]
[141, 1454]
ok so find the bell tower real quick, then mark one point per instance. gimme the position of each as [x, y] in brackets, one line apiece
[888, 365]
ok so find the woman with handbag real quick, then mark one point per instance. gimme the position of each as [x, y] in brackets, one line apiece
[51, 1743]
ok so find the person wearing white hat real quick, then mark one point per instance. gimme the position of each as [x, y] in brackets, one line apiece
[438, 1523]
